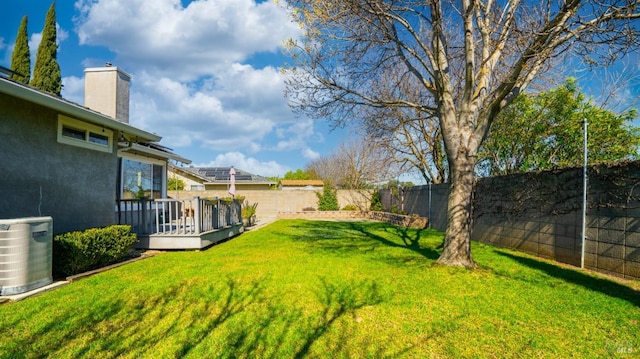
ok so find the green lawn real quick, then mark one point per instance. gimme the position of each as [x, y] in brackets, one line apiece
[320, 289]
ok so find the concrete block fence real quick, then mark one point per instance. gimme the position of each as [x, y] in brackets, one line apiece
[541, 214]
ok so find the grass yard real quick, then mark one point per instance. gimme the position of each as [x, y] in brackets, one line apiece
[320, 289]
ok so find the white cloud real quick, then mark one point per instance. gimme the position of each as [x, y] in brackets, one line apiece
[191, 82]
[7, 53]
[73, 89]
[34, 42]
[61, 34]
[185, 113]
[310, 154]
[184, 42]
[249, 164]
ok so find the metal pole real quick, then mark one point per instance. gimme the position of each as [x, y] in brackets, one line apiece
[429, 215]
[584, 193]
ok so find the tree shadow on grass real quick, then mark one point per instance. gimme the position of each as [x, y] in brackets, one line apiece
[408, 238]
[330, 329]
[115, 326]
[337, 301]
[592, 283]
[348, 237]
[225, 319]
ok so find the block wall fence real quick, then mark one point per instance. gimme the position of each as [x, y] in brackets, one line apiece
[273, 204]
[541, 214]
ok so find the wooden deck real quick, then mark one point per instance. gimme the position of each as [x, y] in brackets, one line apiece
[180, 223]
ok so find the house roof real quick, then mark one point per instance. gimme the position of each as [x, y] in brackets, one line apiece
[301, 183]
[138, 139]
[72, 109]
[219, 175]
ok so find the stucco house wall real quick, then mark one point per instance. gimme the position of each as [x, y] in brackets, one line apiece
[41, 177]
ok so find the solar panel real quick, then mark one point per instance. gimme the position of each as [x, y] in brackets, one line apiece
[222, 174]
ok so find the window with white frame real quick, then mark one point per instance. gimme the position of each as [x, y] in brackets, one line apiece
[142, 177]
[77, 133]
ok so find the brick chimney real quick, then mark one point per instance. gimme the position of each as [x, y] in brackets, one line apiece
[106, 90]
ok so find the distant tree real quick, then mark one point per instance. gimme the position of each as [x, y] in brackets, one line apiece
[394, 184]
[298, 175]
[21, 58]
[545, 131]
[356, 164]
[175, 184]
[328, 199]
[46, 73]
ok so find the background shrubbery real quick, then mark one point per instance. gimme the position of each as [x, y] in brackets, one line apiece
[350, 207]
[80, 251]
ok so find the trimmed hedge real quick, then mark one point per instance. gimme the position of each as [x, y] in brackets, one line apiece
[80, 251]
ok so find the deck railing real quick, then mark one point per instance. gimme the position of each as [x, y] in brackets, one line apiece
[177, 216]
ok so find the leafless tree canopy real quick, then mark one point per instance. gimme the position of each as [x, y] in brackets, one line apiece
[469, 58]
[355, 164]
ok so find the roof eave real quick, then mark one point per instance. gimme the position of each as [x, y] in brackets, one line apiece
[154, 152]
[56, 103]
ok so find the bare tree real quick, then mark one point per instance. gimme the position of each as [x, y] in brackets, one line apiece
[412, 139]
[620, 89]
[410, 135]
[470, 57]
[355, 164]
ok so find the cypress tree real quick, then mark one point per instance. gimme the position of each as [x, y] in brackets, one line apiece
[46, 73]
[20, 59]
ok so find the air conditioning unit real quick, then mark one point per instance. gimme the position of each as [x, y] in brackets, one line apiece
[26, 247]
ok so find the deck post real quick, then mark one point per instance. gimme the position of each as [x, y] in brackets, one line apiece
[216, 214]
[196, 214]
[143, 215]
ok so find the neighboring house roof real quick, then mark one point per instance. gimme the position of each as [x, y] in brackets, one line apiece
[301, 183]
[135, 139]
[220, 175]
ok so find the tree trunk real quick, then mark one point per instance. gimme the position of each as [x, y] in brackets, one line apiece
[457, 241]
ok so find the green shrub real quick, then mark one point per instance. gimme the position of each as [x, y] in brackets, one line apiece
[350, 207]
[328, 199]
[80, 251]
[249, 210]
[376, 202]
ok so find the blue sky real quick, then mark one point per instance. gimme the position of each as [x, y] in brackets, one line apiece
[205, 74]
